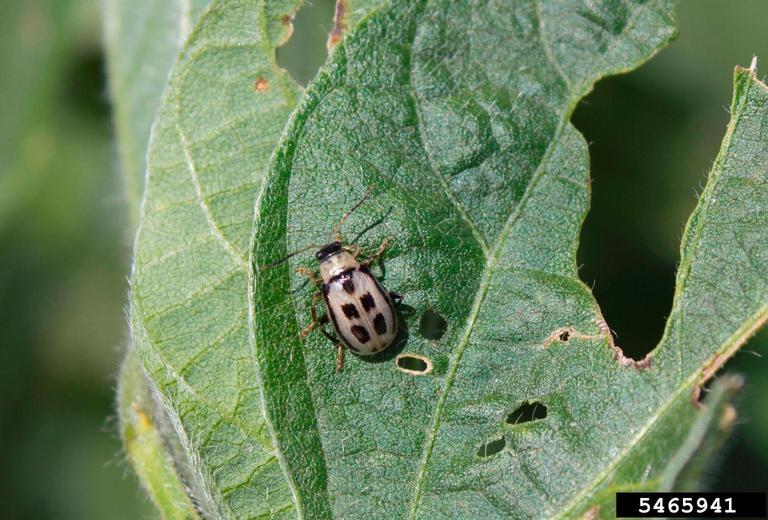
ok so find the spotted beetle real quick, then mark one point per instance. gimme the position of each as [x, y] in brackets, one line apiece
[360, 309]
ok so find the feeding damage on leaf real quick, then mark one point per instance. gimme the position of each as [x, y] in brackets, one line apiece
[492, 246]
[625, 361]
[527, 412]
[592, 513]
[339, 23]
[618, 353]
[261, 85]
[565, 334]
[413, 364]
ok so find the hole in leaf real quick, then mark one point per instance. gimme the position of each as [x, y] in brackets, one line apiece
[629, 244]
[413, 364]
[305, 51]
[560, 335]
[432, 325]
[527, 412]
[491, 448]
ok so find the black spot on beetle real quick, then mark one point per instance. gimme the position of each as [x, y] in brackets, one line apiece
[350, 311]
[380, 324]
[367, 301]
[348, 285]
[360, 333]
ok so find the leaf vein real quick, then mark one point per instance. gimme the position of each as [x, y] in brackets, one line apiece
[474, 312]
[228, 246]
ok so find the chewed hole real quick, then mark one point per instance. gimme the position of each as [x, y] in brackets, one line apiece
[527, 412]
[560, 335]
[491, 448]
[305, 51]
[432, 325]
[413, 364]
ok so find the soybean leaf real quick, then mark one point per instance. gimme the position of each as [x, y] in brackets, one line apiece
[481, 181]
[224, 109]
[142, 39]
[225, 94]
[146, 446]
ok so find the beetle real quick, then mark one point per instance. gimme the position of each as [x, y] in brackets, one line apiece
[360, 309]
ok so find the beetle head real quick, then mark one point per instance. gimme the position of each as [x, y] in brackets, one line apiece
[328, 250]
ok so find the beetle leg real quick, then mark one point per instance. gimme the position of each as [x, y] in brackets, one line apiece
[309, 273]
[330, 337]
[354, 250]
[383, 247]
[315, 320]
[340, 358]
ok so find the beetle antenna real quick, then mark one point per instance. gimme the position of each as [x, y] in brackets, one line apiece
[289, 255]
[337, 228]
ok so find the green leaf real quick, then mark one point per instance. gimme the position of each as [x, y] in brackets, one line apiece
[482, 183]
[144, 444]
[226, 104]
[225, 94]
[142, 39]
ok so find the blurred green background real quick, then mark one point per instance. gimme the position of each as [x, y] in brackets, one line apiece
[65, 237]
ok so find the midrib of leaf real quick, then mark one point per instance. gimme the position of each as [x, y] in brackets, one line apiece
[472, 318]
